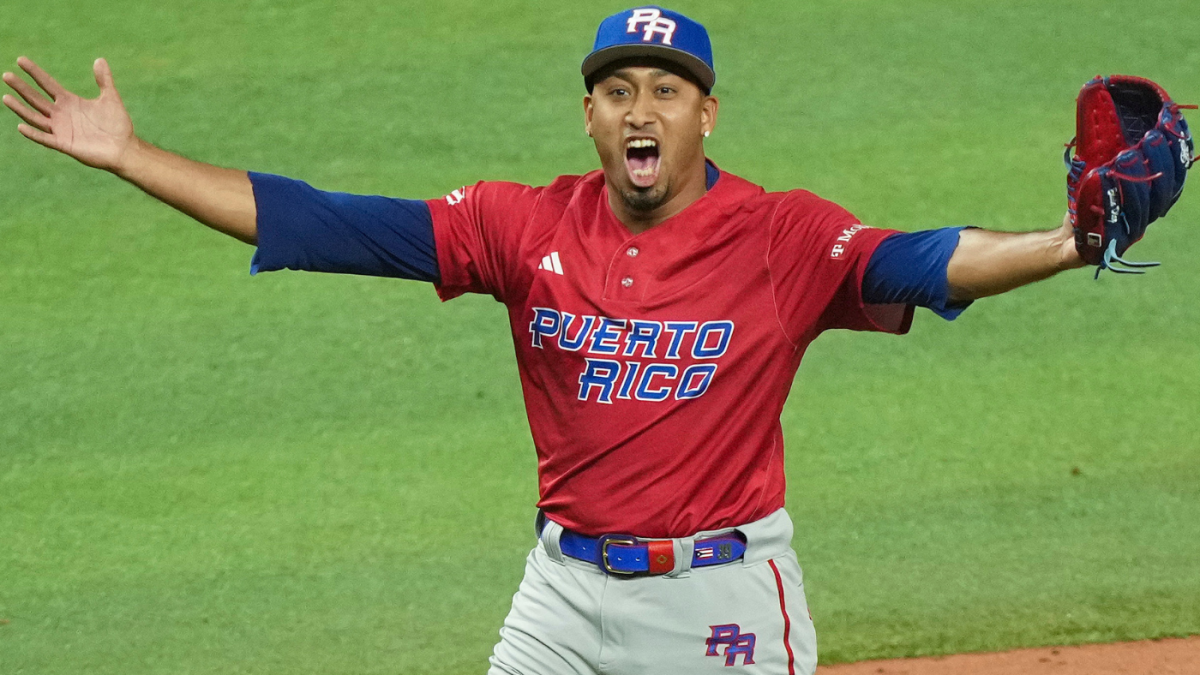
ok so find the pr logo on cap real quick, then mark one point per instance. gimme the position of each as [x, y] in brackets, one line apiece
[652, 33]
[655, 22]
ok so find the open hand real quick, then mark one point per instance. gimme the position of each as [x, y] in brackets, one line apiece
[96, 131]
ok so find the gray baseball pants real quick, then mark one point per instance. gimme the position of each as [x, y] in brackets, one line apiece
[570, 618]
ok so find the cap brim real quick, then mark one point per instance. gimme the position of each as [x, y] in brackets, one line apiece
[599, 59]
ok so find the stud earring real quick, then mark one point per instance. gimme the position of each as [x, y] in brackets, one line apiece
[706, 134]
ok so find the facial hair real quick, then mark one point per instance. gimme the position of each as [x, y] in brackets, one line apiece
[645, 200]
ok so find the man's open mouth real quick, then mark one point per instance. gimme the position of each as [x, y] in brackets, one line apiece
[641, 160]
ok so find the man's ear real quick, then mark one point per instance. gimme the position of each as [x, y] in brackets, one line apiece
[708, 113]
[587, 114]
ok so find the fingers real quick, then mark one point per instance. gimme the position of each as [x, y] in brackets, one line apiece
[104, 76]
[31, 96]
[34, 118]
[47, 83]
[37, 136]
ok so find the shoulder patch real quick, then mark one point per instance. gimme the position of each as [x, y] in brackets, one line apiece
[839, 247]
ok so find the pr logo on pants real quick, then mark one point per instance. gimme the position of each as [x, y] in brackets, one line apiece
[735, 641]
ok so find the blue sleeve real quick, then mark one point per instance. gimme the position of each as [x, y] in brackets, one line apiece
[302, 228]
[910, 268]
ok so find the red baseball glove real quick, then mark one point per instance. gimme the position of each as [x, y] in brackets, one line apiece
[1132, 154]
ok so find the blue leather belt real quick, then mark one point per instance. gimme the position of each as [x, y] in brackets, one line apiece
[628, 556]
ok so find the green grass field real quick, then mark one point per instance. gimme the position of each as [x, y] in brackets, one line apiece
[202, 472]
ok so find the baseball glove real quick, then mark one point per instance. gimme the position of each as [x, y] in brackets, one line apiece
[1132, 154]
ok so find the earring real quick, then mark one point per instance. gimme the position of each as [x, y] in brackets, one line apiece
[706, 134]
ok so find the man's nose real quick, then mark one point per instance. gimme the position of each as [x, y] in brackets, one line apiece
[641, 112]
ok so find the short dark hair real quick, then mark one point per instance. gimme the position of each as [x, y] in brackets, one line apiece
[645, 62]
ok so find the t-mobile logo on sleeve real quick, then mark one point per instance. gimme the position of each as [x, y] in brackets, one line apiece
[635, 359]
[839, 249]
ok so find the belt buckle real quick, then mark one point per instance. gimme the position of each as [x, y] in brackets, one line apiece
[608, 540]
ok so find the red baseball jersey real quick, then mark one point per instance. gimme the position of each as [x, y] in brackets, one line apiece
[655, 366]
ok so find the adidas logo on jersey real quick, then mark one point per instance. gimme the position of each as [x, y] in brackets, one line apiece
[551, 263]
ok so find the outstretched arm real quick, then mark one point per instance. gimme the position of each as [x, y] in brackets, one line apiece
[988, 263]
[99, 133]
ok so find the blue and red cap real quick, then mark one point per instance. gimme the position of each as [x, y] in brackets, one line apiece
[652, 32]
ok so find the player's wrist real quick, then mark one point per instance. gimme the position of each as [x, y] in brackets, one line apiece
[1070, 258]
[130, 158]
[1068, 253]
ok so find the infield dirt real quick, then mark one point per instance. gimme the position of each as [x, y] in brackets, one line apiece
[1146, 657]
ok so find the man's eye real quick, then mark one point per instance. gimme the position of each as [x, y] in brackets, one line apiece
[666, 90]
[618, 92]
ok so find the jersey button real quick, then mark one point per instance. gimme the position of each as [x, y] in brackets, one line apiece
[627, 282]
[633, 251]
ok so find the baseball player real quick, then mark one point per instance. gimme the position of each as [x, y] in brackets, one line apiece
[659, 309]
